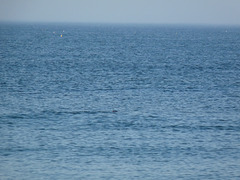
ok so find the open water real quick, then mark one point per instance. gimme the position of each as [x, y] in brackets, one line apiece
[119, 102]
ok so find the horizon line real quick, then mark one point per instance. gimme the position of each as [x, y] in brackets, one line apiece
[119, 23]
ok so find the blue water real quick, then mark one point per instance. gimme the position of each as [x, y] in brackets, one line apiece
[119, 102]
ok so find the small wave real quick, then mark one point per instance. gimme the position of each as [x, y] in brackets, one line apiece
[79, 112]
[203, 128]
[13, 116]
[49, 113]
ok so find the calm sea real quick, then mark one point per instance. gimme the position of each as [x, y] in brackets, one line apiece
[81, 101]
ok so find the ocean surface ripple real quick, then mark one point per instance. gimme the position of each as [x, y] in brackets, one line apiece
[119, 102]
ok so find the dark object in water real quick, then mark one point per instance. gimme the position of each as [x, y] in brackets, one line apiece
[114, 111]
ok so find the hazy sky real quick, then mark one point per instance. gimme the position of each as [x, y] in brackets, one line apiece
[122, 11]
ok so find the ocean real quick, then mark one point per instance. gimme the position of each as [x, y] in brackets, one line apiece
[115, 101]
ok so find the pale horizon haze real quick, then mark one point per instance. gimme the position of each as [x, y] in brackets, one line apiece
[226, 12]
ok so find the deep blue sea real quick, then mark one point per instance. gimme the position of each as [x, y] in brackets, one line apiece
[95, 101]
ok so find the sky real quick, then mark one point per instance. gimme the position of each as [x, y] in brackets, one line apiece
[122, 11]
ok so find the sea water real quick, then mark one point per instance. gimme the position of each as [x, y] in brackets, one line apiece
[94, 101]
